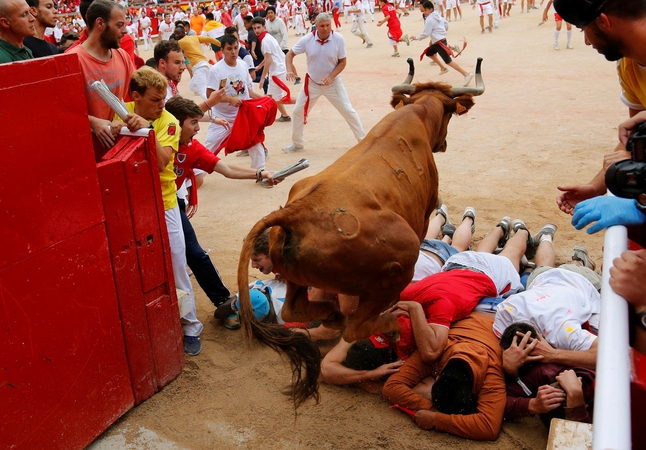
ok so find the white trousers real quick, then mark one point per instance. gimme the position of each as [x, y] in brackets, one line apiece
[191, 326]
[299, 23]
[198, 81]
[359, 29]
[217, 133]
[337, 96]
[145, 33]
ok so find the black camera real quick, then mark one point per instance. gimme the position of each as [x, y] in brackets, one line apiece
[627, 178]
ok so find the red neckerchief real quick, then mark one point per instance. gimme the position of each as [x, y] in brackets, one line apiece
[261, 36]
[321, 41]
[173, 86]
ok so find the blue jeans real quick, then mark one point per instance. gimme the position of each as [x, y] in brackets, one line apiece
[439, 248]
[198, 260]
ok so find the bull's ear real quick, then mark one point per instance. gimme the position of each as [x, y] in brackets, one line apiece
[400, 104]
[462, 104]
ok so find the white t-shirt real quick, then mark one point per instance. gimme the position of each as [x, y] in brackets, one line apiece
[358, 4]
[425, 266]
[144, 22]
[238, 22]
[322, 59]
[166, 30]
[179, 15]
[271, 46]
[557, 303]
[238, 85]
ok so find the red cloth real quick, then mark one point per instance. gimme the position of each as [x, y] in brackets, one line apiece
[249, 127]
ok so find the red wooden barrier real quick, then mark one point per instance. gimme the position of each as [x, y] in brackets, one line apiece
[88, 312]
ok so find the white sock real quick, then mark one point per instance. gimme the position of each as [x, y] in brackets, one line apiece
[569, 36]
[546, 237]
[556, 36]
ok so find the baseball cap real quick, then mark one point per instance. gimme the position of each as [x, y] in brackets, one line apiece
[259, 303]
[579, 12]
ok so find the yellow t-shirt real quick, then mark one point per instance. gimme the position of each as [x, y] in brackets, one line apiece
[167, 131]
[632, 78]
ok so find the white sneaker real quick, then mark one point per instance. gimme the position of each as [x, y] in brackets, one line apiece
[569, 47]
[468, 79]
[292, 148]
[556, 46]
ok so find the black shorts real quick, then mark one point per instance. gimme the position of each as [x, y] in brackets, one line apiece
[437, 48]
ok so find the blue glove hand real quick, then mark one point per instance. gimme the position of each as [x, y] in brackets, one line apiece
[607, 212]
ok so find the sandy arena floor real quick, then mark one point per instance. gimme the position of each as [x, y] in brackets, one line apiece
[546, 119]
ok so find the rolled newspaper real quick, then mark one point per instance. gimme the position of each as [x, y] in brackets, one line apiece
[113, 102]
[289, 170]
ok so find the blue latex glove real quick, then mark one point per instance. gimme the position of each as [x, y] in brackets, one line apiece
[607, 212]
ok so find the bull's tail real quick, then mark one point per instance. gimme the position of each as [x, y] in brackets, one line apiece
[299, 348]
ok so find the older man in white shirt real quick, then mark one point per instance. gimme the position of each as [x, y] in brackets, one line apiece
[326, 59]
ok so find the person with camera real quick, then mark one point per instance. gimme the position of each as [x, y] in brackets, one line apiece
[617, 30]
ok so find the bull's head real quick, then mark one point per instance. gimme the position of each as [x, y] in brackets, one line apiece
[407, 88]
[454, 101]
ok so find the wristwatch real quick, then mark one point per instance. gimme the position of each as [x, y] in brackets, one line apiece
[641, 320]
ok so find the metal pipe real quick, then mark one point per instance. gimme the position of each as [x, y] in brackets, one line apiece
[611, 425]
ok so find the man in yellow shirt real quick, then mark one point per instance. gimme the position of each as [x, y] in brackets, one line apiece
[199, 65]
[148, 90]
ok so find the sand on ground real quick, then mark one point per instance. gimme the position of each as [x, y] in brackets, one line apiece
[546, 119]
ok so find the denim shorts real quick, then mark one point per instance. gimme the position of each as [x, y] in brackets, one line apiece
[439, 248]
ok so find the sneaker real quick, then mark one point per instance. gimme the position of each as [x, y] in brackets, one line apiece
[505, 224]
[297, 80]
[395, 55]
[242, 153]
[444, 212]
[232, 322]
[369, 45]
[518, 224]
[581, 254]
[405, 39]
[569, 47]
[192, 345]
[490, 30]
[443, 71]
[548, 228]
[292, 148]
[468, 79]
[470, 212]
[556, 46]
[448, 229]
[284, 119]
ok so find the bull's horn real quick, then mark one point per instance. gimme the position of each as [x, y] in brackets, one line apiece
[406, 87]
[478, 90]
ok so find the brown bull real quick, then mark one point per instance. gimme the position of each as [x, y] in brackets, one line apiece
[355, 228]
